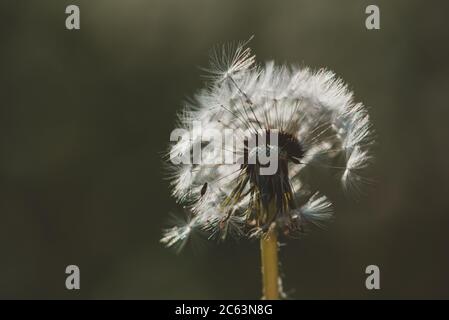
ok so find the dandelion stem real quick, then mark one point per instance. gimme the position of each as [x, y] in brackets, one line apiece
[270, 273]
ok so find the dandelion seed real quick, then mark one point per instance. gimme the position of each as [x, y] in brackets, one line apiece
[178, 235]
[228, 60]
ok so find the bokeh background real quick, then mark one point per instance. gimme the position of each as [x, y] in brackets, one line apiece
[85, 116]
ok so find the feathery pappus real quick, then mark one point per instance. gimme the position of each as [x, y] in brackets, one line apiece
[317, 124]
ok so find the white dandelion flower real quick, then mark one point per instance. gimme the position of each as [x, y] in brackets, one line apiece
[316, 120]
[300, 119]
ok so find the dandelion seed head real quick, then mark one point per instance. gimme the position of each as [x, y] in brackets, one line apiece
[318, 125]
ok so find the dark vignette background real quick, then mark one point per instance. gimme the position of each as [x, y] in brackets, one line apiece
[85, 115]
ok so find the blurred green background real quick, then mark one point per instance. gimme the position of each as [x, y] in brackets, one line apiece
[85, 116]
